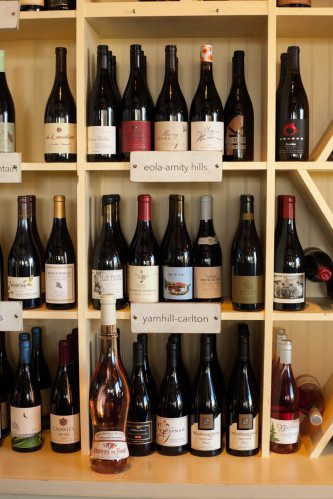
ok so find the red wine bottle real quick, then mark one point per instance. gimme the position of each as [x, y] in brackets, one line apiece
[32, 5]
[176, 338]
[39, 243]
[62, 4]
[42, 374]
[151, 385]
[284, 433]
[311, 398]
[73, 338]
[6, 384]
[289, 275]
[7, 112]
[318, 265]
[283, 73]
[112, 68]
[65, 405]
[238, 115]
[292, 114]
[171, 116]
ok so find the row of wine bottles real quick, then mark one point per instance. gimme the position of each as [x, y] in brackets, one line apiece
[37, 5]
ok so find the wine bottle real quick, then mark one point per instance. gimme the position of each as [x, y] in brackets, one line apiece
[39, 244]
[150, 382]
[318, 265]
[284, 434]
[32, 5]
[60, 116]
[109, 398]
[42, 374]
[143, 259]
[65, 405]
[292, 114]
[73, 338]
[112, 68]
[283, 73]
[247, 262]
[207, 256]
[171, 115]
[6, 385]
[103, 115]
[141, 416]
[242, 402]
[206, 113]
[137, 109]
[311, 398]
[206, 408]
[25, 408]
[172, 409]
[24, 263]
[7, 112]
[238, 115]
[60, 263]
[279, 336]
[176, 339]
[177, 255]
[62, 4]
[289, 275]
[110, 257]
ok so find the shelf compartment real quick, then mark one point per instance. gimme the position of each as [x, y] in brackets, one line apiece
[316, 309]
[46, 25]
[309, 23]
[125, 166]
[46, 313]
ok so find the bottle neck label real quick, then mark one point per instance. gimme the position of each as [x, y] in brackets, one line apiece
[207, 136]
[139, 433]
[172, 432]
[177, 283]
[206, 433]
[208, 282]
[7, 137]
[207, 241]
[135, 136]
[284, 431]
[292, 139]
[65, 430]
[109, 446]
[143, 284]
[289, 288]
[60, 138]
[108, 282]
[247, 216]
[102, 139]
[244, 434]
[171, 136]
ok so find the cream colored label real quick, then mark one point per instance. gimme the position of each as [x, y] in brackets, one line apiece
[206, 433]
[284, 431]
[108, 282]
[101, 139]
[4, 415]
[65, 429]
[60, 283]
[207, 282]
[60, 138]
[143, 283]
[109, 446]
[171, 136]
[7, 137]
[247, 289]
[24, 288]
[209, 240]
[207, 136]
[171, 432]
[244, 435]
[45, 395]
[25, 422]
[35, 2]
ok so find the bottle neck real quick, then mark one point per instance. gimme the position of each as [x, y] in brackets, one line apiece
[24, 355]
[206, 352]
[110, 215]
[243, 349]
[61, 67]
[172, 360]
[144, 211]
[2, 63]
[247, 211]
[238, 71]
[206, 73]
[284, 68]
[176, 212]
[109, 346]
[65, 354]
[170, 66]
[102, 61]
[24, 216]
[136, 65]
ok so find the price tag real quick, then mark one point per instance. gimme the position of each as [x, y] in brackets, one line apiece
[176, 318]
[11, 316]
[10, 168]
[9, 14]
[187, 166]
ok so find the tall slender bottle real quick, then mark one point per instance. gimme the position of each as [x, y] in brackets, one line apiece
[143, 339]
[6, 383]
[292, 114]
[7, 112]
[283, 73]
[38, 241]
[42, 374]
[176, 339]
[318, 265]
[32, 5]
[206, 114]
[112, 67]
[143, 258]
[247, 261]
[60, 116]
[238, 115]
[207, 256]
[60, 262]
[289, 274]
[171, 116]
[110, 257]
[109, 398]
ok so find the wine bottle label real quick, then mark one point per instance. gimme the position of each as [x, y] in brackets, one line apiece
[60, 283]
[139, 433]
[284, 431]
[24, 288]
[108, 282]
[143, 283]
[171, 432]
[101, 139]
[207, 282]
[26, 427]
[235, 141]
[209, 240]
[32, 2]
[206, 433]
[177, 283]
[7, 137]
[135, 136]
[4, 415]
[292, 138]
[60, 138]
[247, 289]
[45, 395]
[289, 288]
[244, 434]
[171, 136]
[109, 445]
[65, 429]
[207, 136]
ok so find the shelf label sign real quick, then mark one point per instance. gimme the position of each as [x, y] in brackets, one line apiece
[10, 168]
[9, 14]
[11, 316]
[176, 318]
[176, 166]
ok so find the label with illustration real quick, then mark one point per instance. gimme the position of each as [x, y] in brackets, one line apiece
[284, 431]
[108, 282]
[60, 138]
[143, 283]
[208, 282]
[26, 427]
[101, 139]
[7, 137]
[235, 141]
[139, 433]
[109, 446]
[65, 429]
[247, 289]
[206, 434]
[135, 136]
[60, 283]
[289, 288]
[207, 136]
[171, 136]
[244, 434]
[177, 283]
[171, 432]
[24, 288]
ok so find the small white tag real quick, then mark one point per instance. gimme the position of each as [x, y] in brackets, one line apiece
[9, 14]
[11, 316]
[10, 168]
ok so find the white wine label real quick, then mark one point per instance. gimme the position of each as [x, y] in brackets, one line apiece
[289, 288]
[143, 283]
[7, 137]
[207, 136]
[206, 434]
[25, 422]
[209, 240]
[60, 283]
[101, 139]
[24, 288]
[109, 445]
[207, 282]
[4, 415]
[65, 429]
[171, 432]
[171, 136]
[244, 434]
[60, 138]
[108, 282]
[45, 395]
[284, 431]
[177, 283]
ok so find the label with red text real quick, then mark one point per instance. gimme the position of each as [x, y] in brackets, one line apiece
[109, 445]
[172, 432]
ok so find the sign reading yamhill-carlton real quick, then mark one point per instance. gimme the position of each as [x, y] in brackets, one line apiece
[11, 316]
[177, 166]
[9, 14]
[176, 317]
[10, 168]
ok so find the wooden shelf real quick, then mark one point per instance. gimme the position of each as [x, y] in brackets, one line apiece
[315, 166]
[316, 309]
[49, 167]
[45, 313]
[125, 166]
[48, 25]
[315, 22]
